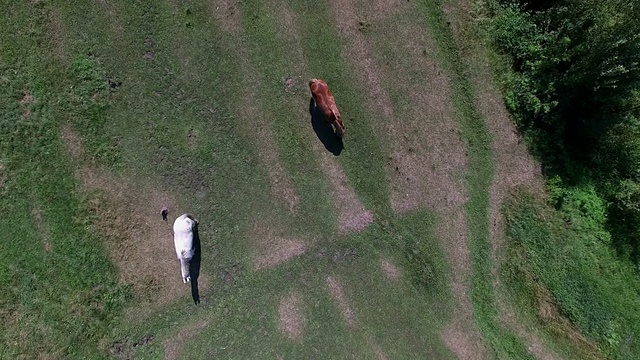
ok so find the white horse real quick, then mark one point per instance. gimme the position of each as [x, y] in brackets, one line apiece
[183, 241]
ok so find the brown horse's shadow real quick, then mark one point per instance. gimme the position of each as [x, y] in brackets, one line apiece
[324, 130]
[194, 266]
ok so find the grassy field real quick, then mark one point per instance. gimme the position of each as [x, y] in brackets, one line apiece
[112, 110]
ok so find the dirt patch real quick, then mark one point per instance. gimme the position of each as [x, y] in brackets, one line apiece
[352, 216]
[56, 33]
[389, 270]
[337, 294]
[174, 346]
[377, 350]
[270, 247]
[290, 319]
[3, 175]
[26, 99]
[227, 12]
[42, 227]
[124, 349]
[139, 241]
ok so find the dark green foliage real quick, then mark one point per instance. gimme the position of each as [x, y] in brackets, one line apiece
[574, 92]
[562, 251]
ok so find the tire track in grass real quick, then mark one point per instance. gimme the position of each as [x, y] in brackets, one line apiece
[514, 167]
[475, 131]
[421, 176]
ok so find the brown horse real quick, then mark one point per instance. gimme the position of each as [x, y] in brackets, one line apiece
[327, 103]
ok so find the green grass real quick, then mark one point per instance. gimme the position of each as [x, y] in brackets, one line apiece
[502, 342]
[138, 130]
[245, 313]
[363, 153]
[60, 301]
[269, 58]
[182, 74]
[591, 287]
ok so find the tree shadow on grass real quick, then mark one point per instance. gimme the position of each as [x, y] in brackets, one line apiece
[324, 130]
[194, 266]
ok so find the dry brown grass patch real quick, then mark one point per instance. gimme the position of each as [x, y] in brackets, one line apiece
[514, 167]
[464, 344]
[377, 350]
[389, 270]
[257, 125]
[72, 142]
[174, 346]
[290, 318]
[227, 12]
[113, 14]
[337, 294]
[422, 134]
[352, 216]
[57, 35]
[42, 227]
[549, 312]
[127, 214]
[271, 247]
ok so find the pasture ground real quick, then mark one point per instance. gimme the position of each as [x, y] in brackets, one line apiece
[389, 250]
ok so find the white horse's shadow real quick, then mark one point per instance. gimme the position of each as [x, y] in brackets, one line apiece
[194, 266]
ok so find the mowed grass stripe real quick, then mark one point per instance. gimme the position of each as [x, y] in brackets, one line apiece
[503, 343]
[316, 215]
[363, 153]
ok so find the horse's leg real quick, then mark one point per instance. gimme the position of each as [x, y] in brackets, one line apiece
[184, 267]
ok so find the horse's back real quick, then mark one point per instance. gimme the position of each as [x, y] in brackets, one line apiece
[183, 234]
